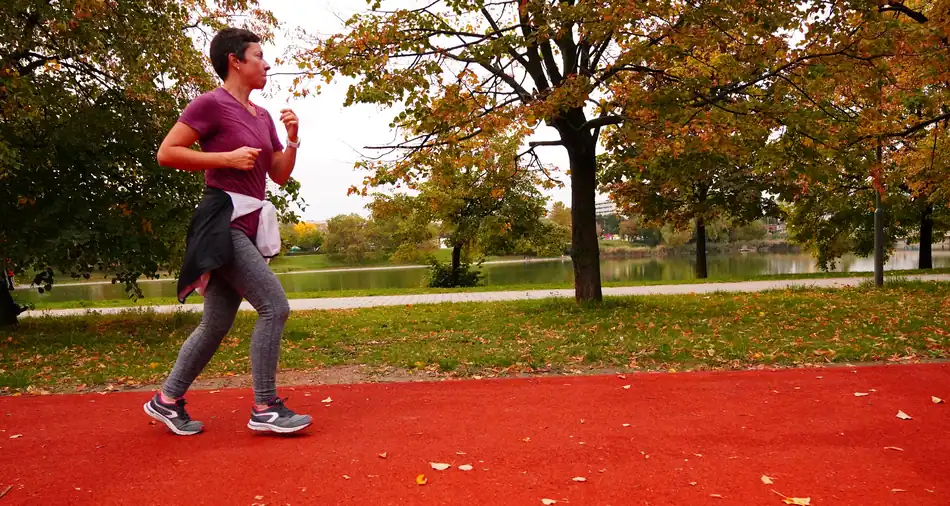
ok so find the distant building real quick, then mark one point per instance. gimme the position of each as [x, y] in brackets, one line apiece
[605, 208]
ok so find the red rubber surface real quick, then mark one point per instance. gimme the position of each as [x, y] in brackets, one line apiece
[812, 436]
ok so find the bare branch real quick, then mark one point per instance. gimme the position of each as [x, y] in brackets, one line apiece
[535, 144]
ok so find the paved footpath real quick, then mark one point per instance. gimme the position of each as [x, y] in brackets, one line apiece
[402, 300]
[660, 439]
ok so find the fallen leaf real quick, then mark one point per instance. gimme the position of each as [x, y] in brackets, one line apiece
[902, 415]
[214, 391]
[894, 448]
[861, 394]
[438, 466]
[258, 497]
[895, 490]
[717, 496]
[461, 453]
[527, 440]
[797, 501]
[626, 425]
[602, 471]
[10, 487]
[692, 483]
[465, 467]
[936, 400]
[622, 376]
[766, 480]
[327, 400]
[346, 477]
[820, 377]
[16, 436]
[383, 455]
[579, 479]
[548, 502]
[626, 387]
[421, 479]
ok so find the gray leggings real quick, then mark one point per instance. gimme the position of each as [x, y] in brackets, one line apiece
[249, 275]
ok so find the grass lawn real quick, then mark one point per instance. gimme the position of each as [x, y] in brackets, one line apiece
[907, 320]
[196, 299]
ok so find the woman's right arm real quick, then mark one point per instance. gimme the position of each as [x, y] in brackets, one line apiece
[176, 152]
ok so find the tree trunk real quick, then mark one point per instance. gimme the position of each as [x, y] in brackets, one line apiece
[8, 308]
[926, 261]
[456, 263]
[585, 250]
[701, 271]
[878, 229]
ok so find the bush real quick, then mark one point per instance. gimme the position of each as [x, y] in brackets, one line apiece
[440, 275]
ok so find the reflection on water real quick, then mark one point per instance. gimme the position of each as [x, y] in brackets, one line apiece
[555, 271]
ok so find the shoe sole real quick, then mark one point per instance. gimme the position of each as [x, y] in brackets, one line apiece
[152, 413]
[266, 427]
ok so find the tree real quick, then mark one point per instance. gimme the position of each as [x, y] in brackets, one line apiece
[560, 215]
[478, 194]
[697, 185]
[348, 237]
[574, 66]
[87, 91]
[402, 227]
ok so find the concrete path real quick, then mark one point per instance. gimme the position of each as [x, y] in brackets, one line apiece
[438, 298]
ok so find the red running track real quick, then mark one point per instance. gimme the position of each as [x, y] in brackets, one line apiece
[692, 439]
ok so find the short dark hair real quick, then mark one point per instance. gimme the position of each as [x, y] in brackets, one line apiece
[227, 42]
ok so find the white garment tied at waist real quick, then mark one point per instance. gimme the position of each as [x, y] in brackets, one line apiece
[268, 233]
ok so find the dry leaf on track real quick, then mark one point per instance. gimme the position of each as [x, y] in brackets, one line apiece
[936, 400]
[439, 466]
[465, 467]
[548, 502]
[579, 478]
[903, 416]
[766, 480]
[421, 479]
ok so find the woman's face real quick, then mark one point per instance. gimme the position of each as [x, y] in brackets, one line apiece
[253, 70]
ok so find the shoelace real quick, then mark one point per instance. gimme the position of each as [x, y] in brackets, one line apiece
[182, 414]
[282, 410]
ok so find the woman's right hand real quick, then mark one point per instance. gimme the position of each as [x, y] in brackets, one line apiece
[242, 158]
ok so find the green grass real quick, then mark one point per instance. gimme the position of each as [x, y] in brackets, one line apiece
[195, 299]
[709, 331]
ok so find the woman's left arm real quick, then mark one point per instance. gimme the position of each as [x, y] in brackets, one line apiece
[283, 162]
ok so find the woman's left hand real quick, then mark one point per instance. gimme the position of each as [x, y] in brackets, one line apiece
[289, 118]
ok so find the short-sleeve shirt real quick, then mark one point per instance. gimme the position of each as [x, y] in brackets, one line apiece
[224, 125]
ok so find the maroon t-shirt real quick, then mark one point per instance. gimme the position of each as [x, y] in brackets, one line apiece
[225, 125]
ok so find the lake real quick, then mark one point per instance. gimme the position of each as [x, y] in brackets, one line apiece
[520, 273]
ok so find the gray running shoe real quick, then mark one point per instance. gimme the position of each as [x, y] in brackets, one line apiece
[277, 418]
[173, 415]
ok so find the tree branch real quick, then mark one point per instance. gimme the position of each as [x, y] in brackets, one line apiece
[902, 9]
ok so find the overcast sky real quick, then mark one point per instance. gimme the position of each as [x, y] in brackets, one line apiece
[333, 137]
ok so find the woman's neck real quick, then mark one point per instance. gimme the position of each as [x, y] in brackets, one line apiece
[239, 91]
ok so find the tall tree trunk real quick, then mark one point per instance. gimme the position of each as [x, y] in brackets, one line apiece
[701, 271]
[585, 250]
[8, 308]
[878, 228]
[456, 263]
[926, 261]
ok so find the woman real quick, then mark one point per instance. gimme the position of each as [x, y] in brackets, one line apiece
[232, 231]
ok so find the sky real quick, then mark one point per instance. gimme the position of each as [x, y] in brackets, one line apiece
[333, 137]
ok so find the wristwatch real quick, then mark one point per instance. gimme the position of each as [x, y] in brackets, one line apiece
[291, 144]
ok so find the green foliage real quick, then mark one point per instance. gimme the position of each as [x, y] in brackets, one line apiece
[87, 92]
[348, 238]
[442, 275]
